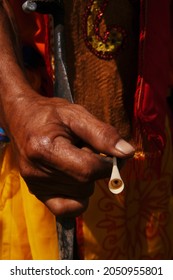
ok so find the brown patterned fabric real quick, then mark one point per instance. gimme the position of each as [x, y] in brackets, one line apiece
[97, 84]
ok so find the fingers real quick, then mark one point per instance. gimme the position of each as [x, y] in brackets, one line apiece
[56, 186]
[57, 171]
[81, 164]
[65, 207]
[47, 179]
[103, 137]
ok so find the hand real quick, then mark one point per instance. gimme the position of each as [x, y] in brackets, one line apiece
[57, 147]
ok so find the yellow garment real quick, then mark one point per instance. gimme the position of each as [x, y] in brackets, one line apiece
[27, 228]
[136, 224]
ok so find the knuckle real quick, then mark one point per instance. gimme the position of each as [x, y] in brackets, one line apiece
[37, 146]
[32, 146]
[104, 130]
[107, 136]
[76, 111]
[86, 175]
[78, 107]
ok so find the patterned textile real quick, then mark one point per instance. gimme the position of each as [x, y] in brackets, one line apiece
[136, 224]
[123, 57]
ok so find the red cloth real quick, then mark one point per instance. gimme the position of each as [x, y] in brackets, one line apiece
[153, 79]
[150, 97]
[34, 30]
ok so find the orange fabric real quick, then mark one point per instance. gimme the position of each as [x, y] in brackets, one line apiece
[136, 224]
[31, 26]
[27, 228]
[34, 30]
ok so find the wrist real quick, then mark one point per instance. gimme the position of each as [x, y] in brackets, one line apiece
[14, 103]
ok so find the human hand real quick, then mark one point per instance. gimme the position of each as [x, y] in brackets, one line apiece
[57, 148]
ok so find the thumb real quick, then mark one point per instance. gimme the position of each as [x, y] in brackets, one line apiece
[101, 136]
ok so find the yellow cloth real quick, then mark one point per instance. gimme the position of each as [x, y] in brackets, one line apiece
[27, 228]
[136, 224]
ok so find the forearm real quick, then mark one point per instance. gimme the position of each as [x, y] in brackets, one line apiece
[13, 82]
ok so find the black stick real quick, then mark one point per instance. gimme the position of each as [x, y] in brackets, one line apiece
[65, 226]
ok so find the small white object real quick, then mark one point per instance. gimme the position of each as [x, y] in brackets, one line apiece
[29, 6]
[116, 184]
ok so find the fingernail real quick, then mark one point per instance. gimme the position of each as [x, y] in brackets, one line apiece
[124, 147]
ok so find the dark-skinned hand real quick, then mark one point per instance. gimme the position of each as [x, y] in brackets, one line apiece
[58, 148]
